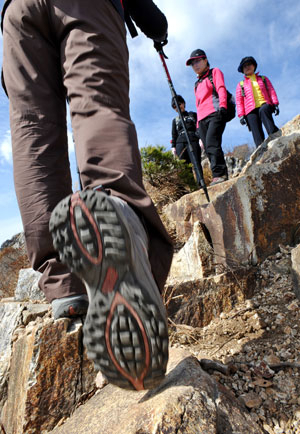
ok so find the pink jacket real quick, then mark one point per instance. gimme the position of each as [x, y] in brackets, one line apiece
[206, 101]
[245, 104]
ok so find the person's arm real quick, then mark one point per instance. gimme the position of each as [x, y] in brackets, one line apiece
[239, 101]
[219, 83]
[272, 92]
[148, 17]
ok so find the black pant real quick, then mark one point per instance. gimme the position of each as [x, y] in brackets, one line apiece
[210, 130]
[259, 116]
[182, 152]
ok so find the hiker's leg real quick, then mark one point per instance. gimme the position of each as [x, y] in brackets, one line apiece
[202, 132]
[105, 137]
[197, 150]
[39, 136]
[181, 151]
[256, 127]
[214, 146]
[265, 114]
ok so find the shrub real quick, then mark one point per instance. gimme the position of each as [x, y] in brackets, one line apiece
[161, 169]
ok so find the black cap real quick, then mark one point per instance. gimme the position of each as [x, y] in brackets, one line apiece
[179, 99]
[196, 54]
[248, 59]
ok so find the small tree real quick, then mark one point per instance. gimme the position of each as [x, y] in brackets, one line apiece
[171, 177]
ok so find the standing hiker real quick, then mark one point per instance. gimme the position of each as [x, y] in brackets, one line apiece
[211, 102]
[179, 140]
[109, 234]
[256, 101]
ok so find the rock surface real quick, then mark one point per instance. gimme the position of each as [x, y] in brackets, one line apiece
[13, 257]
[234, 326]
[250, 215]
[49, 376]
[187, 401]
[295, 255]
[27, 286]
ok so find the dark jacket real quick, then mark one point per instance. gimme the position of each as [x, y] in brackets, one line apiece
[178, 134]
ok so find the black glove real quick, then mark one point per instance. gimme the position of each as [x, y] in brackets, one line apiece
[222, 112]
[243, 121]
[276, 110]
[158, 45]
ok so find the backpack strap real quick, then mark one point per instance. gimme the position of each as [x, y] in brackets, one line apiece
[265, 83]
[209, 76]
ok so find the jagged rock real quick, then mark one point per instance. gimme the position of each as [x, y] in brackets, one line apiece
[10, 318]
[33, 311]
[291, 126]
[187, 401]
[249, 216]
[198, 302]
[194, 260]
[49, 376]
[295, 255]
[27, 286]
[13, 257]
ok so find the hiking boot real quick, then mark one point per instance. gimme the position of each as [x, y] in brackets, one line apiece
[70, 307]
[219, 179]
[125, 332]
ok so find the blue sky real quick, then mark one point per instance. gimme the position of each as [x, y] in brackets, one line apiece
[265, 29]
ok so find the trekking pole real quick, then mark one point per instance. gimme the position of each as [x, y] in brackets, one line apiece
[197, 166]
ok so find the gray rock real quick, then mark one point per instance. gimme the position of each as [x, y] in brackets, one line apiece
[10, 318]
[27, 286]
[188, 401]
[295, 256]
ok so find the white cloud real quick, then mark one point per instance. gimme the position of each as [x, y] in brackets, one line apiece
[70, 141]
[5, 149]
[227, 32]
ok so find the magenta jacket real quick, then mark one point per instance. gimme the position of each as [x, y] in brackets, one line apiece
[206, 101]
[245, 104]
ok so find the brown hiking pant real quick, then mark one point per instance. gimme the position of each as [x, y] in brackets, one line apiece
[77, 49]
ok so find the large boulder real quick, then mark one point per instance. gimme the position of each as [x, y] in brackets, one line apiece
[187, 401]
[10, 319]
[197, 302]
[249, 216]
[49, 376]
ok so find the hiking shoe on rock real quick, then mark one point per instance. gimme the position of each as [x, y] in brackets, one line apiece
[70, 307]
[218, 180]
[125, 332]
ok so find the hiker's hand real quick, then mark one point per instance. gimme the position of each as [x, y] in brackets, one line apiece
[173, 151]
[276, 110]
[158, 45]
[223, 113]
[243, 121]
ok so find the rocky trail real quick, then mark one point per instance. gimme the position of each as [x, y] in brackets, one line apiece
[256, 348]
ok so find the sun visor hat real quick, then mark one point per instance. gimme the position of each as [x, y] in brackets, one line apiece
[248, 59]
[196, 54]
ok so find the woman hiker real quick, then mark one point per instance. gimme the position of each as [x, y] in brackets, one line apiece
[211, 102]
[256, 101]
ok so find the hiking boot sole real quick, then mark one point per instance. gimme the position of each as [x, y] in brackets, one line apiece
[125, 331]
